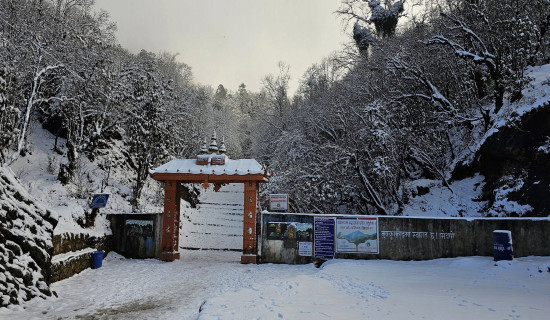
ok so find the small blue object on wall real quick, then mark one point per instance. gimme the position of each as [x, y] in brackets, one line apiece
[99, 200]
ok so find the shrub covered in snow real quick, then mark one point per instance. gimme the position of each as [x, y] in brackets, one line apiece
[26, 231]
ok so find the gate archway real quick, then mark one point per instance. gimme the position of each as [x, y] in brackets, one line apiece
[211, 166]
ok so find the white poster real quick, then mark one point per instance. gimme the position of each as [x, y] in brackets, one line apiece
[278, 202]
[305, 249]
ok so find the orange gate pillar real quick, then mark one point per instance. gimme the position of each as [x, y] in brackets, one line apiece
[250, 247]
[169, 244]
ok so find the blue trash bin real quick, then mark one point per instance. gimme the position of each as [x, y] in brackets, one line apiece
[502, 245]
[97, 259]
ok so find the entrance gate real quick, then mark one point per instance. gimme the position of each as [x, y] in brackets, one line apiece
[216, 222]
[212, 166]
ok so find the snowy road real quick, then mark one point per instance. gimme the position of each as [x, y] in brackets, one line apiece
[461, 288]
[151, 289]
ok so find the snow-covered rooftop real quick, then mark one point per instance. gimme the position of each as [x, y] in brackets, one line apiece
[214, 163]
[231, 167]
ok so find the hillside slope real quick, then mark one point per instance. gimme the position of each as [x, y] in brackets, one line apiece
[514, 155]
[506, 172]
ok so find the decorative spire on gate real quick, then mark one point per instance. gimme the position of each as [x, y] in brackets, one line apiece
[213, 155]
[204, 149]
[222, 148]
[213, 148]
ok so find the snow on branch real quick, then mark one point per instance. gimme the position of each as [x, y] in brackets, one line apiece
[461, 26]
[371, 192]
[478, 53]
[31, 102]
[436, 97]
[424, 159]
[486, 58]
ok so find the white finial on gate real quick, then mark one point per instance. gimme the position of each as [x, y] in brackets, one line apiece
[222, 148]
[213, 148]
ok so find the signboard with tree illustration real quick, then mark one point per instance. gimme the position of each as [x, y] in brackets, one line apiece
[357, 235]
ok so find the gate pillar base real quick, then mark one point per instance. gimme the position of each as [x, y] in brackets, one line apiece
[169, 256]
[249, 258]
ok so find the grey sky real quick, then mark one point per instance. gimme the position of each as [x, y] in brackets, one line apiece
[231, 41]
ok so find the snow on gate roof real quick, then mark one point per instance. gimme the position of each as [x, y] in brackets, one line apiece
[212, 165]
[231, 167]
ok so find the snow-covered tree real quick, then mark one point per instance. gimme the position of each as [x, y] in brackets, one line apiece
[8, 120]
[502, 37]
[383, 16]
[28, 61]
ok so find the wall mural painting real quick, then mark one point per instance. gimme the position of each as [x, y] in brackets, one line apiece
[142, 228]
[290, 231]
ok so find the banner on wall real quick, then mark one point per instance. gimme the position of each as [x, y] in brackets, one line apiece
[357, 235]
[142, 228]
[324, 237]
[290, 231]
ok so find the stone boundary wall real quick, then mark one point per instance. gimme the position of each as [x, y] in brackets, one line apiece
[71, 242]
[67, 268]
[421, 238]
[67, 243]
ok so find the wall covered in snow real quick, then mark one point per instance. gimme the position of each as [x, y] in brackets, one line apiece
[26, 249]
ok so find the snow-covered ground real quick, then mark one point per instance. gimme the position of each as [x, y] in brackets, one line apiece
[215, 282]
[440, 201]
[459, 288]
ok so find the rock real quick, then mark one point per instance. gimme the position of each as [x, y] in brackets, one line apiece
[26, 231]
[511, 159]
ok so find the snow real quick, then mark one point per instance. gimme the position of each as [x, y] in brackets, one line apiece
[221, 287]
[35, 173]
[545, 148]
[220, 213]
[231, 167]
[71, 255]
[504, 207]
[535, 95]
[26, 228]
[215, 281]
[441, 202]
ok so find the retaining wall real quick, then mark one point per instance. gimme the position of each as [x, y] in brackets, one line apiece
[410, 238]
[73, 253]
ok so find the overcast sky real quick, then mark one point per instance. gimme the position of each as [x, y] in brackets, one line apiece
[231, 42]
